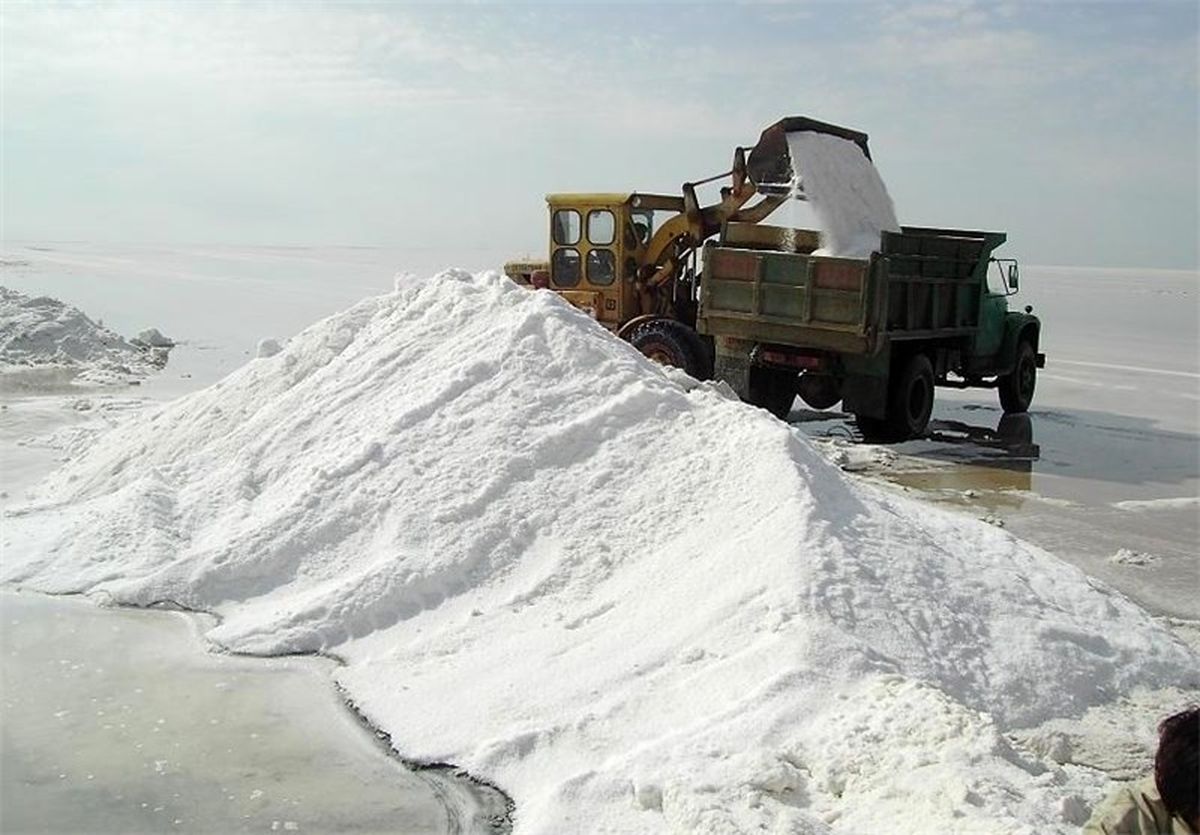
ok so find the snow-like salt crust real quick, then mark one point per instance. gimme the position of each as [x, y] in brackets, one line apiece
[41, 331]
[633, 603]
[846, 192]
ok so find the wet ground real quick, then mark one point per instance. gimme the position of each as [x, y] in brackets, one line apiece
[1112, 494]
[118, 720]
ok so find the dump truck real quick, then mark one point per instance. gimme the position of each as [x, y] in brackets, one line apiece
[718, 292]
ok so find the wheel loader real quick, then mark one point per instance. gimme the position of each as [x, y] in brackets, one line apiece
[719, 293]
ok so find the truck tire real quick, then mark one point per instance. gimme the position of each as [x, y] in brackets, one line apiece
[773, 390]
[910, 401]
[673, 343]
[1016, 389]
[872, 429]
[820, 391]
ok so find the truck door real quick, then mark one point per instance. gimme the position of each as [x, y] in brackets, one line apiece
[993, 307]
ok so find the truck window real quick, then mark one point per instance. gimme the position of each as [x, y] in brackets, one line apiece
[601, 227]
[564, 266]
[566, 227]
[601, 266]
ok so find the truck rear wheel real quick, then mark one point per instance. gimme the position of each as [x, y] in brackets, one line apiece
[820, 391]
[773, 390]
[673, 343]
[909, 407]
[872, 429]
[910, 402]
[1016, 389]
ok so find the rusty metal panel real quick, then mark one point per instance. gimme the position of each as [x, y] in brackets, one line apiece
[733, 265]
[838, 275]
[736, 296]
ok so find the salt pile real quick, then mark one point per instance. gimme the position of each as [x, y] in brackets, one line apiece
[634, 604]
[846, 192]
[43, 332]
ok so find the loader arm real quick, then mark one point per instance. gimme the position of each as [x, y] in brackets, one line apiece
[682, 234]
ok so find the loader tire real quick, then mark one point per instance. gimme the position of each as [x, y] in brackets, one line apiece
[1016, 389]
[773, 390]
[673, 343]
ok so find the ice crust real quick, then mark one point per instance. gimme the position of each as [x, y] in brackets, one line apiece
[635, 604]
[43, 332]
[846, 192]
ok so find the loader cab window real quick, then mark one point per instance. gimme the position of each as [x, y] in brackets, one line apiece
[601, 227]
[566, 227]
[601, 267]
[564, 266]
[640, 229]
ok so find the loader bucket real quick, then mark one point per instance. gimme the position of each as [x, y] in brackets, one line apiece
[769, 165]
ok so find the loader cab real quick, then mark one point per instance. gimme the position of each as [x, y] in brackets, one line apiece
[598, 244]
[593, 253]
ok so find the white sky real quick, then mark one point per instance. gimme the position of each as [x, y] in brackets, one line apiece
[1071, 126]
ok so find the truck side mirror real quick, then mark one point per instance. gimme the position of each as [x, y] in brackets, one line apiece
[1013, 277]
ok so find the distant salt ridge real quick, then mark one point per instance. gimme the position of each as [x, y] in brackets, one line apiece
[636, 605]
[44, 332]
[846, 192]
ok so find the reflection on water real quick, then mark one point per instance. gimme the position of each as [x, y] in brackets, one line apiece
[997, 460]
[117, 721]
[1078, 454]
[1012, 437]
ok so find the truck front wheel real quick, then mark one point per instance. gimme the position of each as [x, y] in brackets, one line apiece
[1016, 389]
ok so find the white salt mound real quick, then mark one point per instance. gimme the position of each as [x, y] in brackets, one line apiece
[267, 348]
[154, 338]
[846, 192]
[45, 332]
[634, 604]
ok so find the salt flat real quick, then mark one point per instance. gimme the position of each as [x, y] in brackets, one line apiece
[604, 587]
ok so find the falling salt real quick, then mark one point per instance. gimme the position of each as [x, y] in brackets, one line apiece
[845, 191]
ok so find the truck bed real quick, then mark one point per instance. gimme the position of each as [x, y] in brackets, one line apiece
[924, 283]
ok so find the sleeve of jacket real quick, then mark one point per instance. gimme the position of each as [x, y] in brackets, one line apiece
[1127, 811]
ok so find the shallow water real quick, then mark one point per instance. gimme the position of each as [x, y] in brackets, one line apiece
[117, 720]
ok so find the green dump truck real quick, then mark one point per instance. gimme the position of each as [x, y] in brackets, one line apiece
[876, 334]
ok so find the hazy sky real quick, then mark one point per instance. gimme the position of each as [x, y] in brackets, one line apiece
[1073, 126]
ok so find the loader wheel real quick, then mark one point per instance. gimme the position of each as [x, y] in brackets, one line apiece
[910, 402]
[773, 390]
[1016, 389]
[673, 343]
[820, 391]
